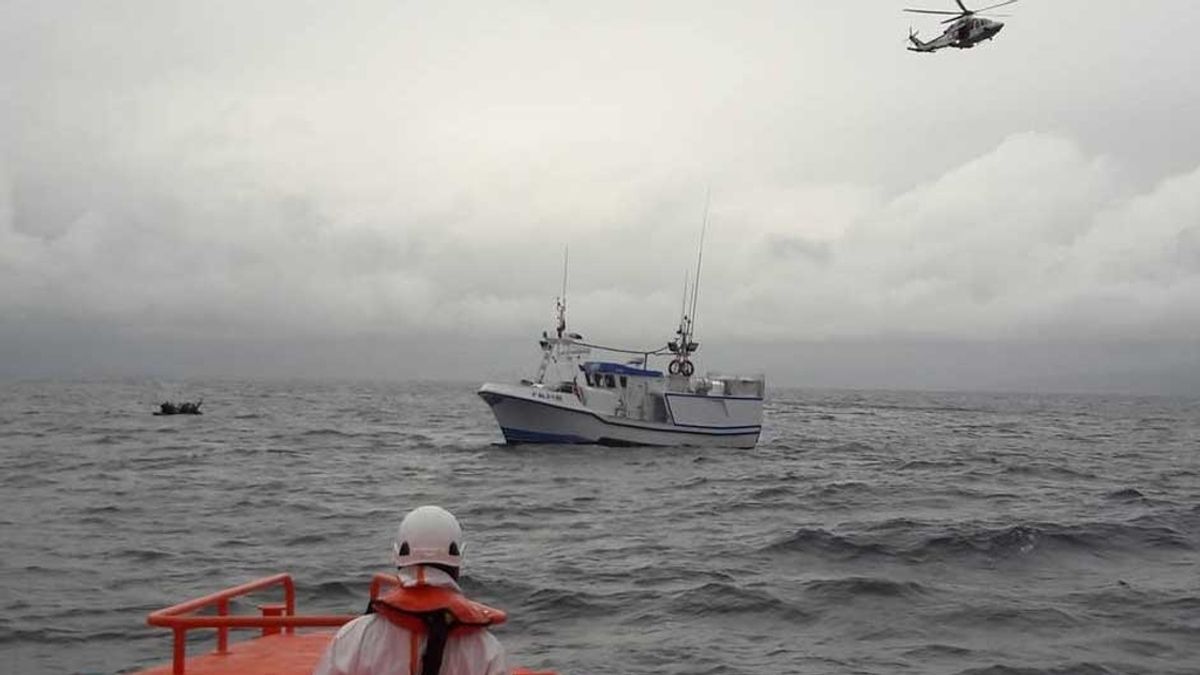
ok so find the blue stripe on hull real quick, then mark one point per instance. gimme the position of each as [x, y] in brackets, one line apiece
[525, 436]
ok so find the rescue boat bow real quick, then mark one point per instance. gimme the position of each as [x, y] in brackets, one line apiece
[279, 648]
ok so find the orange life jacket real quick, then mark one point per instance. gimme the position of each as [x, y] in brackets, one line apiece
[436, 611]
[405, 605]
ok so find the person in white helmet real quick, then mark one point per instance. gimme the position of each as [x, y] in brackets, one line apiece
[426, 626]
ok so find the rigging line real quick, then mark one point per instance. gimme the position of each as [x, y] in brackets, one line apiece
[683, 301]
[566, 258]
[647, 352]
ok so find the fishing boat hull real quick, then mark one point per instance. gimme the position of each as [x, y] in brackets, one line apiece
[533, 414]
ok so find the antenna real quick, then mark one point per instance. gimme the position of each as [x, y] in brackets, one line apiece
[700, 254]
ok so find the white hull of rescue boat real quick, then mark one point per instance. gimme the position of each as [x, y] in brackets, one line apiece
[534, 414]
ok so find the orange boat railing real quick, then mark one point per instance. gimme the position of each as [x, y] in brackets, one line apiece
[275, 617]
[181, 618]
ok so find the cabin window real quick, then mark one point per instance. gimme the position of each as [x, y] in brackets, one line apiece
[609, 381]
[588, 376]
[624, 382]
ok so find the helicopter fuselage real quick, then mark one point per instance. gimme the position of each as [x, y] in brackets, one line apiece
[964, 33]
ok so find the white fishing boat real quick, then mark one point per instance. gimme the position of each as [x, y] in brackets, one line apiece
[622, 400]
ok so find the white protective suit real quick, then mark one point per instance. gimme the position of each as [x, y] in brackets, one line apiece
[372, 645]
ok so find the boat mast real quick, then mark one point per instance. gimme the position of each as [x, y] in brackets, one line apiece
[562, 299]
[552, 346]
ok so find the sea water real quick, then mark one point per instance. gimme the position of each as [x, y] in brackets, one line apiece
[869, 532]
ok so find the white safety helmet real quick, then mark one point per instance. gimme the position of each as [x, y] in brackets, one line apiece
[429, 535]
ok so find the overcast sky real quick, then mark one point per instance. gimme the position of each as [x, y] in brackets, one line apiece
[385, 188]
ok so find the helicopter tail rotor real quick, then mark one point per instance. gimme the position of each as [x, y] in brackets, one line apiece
[915, 42]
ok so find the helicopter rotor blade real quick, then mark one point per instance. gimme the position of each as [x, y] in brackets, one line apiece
[1009, 2]
[955, 16]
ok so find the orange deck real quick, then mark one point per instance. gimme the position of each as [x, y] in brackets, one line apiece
[283, 654]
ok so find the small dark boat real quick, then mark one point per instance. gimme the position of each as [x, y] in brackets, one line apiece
[185, 408]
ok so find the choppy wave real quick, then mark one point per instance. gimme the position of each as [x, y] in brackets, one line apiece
[833, 590]
[818, 540]
[730, 600]
[1077, 668]
[920, 542]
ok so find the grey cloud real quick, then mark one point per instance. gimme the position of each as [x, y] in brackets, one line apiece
[1052, 235]
[793, 248]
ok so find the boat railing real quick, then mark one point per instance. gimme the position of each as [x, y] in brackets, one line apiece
[273, 617]
[737, 385]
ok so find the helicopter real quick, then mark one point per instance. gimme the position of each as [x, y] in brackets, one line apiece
[966, 29]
